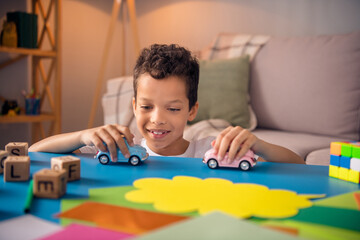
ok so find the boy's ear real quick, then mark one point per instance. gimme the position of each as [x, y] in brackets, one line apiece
[134, 105]
[193, 112]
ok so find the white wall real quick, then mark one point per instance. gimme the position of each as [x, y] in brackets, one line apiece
[192, 24]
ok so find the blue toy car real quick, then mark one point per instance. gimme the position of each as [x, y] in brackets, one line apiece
[137, 155]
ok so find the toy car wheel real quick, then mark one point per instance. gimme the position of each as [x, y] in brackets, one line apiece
[212, 163]
[104, 159]
[244, 165]
[134, 160]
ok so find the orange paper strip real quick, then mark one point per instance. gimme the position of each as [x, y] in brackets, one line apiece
[289, 230]
[357, 199]
[120, 218]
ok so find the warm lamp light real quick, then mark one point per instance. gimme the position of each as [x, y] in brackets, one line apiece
[100, 79]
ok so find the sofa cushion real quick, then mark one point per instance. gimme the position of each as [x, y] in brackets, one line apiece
[232, 45]
[309, 84]
[300, 143]
[223, 91]
[319, 157]
[117, 103]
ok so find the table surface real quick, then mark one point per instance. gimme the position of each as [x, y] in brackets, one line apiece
[303, 179]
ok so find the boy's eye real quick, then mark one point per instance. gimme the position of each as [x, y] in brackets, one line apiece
[174, 109]
[145, 107]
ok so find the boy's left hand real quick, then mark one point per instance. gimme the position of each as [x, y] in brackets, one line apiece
[235, 139]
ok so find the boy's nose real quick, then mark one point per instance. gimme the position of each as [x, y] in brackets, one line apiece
[157, 118]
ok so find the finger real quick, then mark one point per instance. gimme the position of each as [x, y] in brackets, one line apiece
[219, 138]
[246, 146]
[116, 134]
[236, 144]
[226, 141]
[97, 142]
[109, 141]
[127, 134]
[119, 133]
[118, 137]
[123, 148]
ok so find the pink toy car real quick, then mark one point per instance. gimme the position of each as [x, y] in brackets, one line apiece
[244, 163]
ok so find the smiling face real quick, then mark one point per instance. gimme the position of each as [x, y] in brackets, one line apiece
[161, 109]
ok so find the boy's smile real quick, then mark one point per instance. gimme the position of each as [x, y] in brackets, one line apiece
[158, 133]
[162, 111]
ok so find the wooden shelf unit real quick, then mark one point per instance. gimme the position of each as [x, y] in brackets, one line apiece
[27, 118]
[45, 78]
[29, 51]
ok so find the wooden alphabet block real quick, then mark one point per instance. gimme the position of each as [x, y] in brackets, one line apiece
[70, 163]
[16, 168]
[3, 156]
[17, 148]
[49, 183]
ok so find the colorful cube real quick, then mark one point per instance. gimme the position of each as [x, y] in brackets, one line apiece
[345, 161]
[334, 171]
[355, 164]
[354, 176]
[346, 150]
[335, 160]
[344, 173]
[356, 151]
[335, 148]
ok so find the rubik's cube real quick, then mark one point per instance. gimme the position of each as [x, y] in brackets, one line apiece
[345, 161]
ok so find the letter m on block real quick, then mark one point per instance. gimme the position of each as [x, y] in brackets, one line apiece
[47, 186]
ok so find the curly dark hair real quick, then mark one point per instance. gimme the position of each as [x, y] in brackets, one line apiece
[161, 61]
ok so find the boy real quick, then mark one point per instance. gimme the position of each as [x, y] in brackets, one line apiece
[165, 99]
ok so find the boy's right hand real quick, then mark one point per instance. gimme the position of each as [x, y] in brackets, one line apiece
[112, 136]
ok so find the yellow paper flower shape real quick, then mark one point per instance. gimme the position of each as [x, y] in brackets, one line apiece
[187, 194]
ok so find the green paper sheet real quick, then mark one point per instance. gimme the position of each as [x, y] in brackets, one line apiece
[215, 225]
[316, 231]
[346, 200]
[335, 217]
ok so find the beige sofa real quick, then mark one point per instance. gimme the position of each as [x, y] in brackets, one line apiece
[304, 92]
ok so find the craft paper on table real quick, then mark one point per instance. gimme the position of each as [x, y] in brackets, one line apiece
[108, 195]
[188, 194]
[346, 200]
[116, 196]
[330, 216]
[357, 199]
[76, 231]
[284, 229]
[123, 219]
[216, 225]
[316, 231]
[26, 227]
[321, 221]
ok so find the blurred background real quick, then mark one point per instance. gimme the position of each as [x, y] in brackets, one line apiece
[193, 24]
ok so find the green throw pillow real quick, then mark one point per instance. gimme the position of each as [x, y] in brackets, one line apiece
[223, 91]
